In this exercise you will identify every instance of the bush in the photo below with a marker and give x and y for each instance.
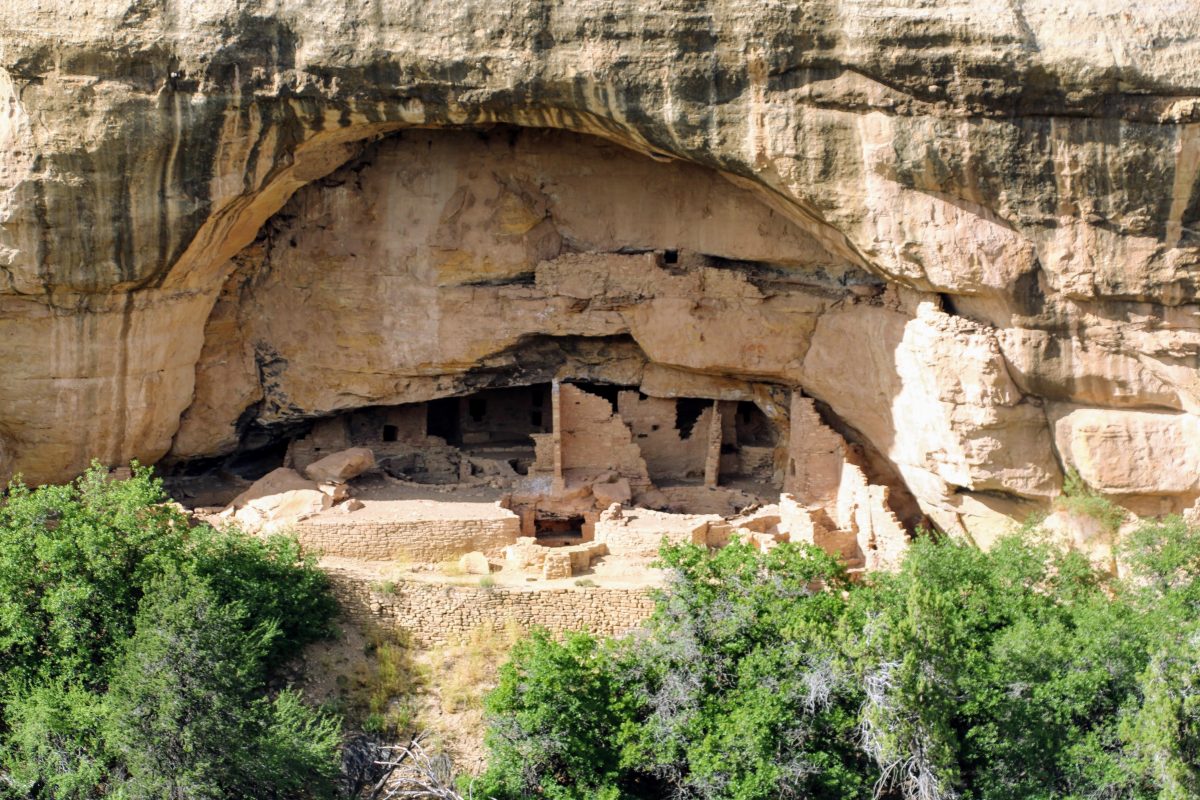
(555, 722)
(1079, 498)
(1013, 674)
(135, 651)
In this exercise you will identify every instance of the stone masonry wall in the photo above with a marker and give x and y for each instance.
(594, 438)
(436, 613)
(667, 454)
(428, 540)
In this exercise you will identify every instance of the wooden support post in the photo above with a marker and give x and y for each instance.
(712, 458)
(556, 434)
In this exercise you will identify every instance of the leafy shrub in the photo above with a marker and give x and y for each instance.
(556, 722)
(1079, 498)
(1013, 674)
(135, 651)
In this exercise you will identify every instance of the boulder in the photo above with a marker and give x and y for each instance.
(336, 491)
(475, 563)
(293, 504)
(275, 511)
(341, 466)
(273, 483)
(617, 491)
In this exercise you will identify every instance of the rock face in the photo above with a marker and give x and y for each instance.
(341, 467)
(972, 234)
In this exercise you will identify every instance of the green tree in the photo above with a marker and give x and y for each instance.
(745, 691)
(556, 716)
(186, 714)
(1022, 673)
(135, 650)
(74, 563)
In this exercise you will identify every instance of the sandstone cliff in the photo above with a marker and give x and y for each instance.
(972, 232)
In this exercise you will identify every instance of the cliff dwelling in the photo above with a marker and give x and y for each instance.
(434, 287)
(982, 281)
(482, 304)
(681, 441)
(554, 352)
(610, 349)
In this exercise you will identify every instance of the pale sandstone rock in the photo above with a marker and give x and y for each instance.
(1084, 534)
(614, 492)
(278, 511)
(341, 467)
(292, 505)
(274, 483)
(337, 491)
(1036, 195)
(474, 563)
(1131, 452)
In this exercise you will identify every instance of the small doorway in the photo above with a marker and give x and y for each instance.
(442, 420)
(555, 531)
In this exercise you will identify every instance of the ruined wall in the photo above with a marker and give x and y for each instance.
(437, 614)
(815, 456)
(504, 415)
(595, 440)
(641, 532)
(668, 455)
(365, 428)
(422, 539)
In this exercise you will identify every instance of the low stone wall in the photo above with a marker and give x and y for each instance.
(437, 613)
(428, 540)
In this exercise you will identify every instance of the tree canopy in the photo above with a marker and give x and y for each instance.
(136, 651)
(1014, 674)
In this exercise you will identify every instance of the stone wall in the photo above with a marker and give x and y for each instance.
(427, 540)
(652, 421)
(594, 438)
(437, 613)
(641, 531)
(815, 456)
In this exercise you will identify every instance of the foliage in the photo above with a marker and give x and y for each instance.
(556, 717)
(1013, 674)
(1079, 498)
(135, 651)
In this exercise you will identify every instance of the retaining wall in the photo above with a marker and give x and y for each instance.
(428, 540)
(438, 613)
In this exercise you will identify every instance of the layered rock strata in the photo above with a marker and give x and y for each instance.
(971, 234)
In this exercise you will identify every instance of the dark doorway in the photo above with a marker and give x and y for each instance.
(554, 531)
(442, 420)
(753, 427)
(687, 414)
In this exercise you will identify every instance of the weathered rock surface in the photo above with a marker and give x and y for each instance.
(275, 482)
(972, 233)
(341, 466)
